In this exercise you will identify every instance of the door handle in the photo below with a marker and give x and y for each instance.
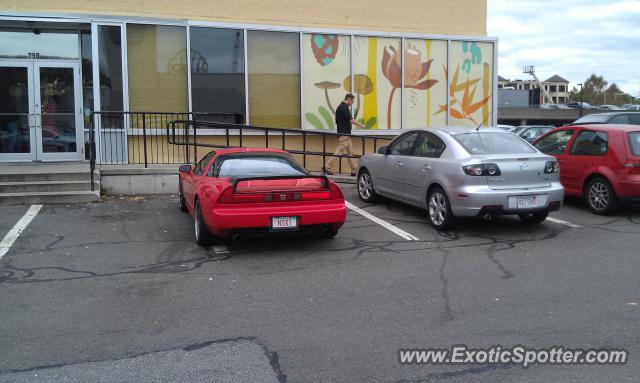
(426, 168)
(399, 163)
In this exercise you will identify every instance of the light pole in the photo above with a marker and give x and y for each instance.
(580, 85)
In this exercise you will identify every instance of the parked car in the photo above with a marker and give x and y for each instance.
(245, 191)
(600, 163)
(505, 127)
(531, 132)
(554, 106)
(516, 130)
(609, 107)
(631, 107)
(576, 105)
(609, 118)
(462, 172)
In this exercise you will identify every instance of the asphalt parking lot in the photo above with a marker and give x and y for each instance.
(119, 291)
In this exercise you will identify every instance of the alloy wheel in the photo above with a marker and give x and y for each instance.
(599, 196)
(365, 186)
(437, 208)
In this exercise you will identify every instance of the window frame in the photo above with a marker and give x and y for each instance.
(401, 138)
(444, 145)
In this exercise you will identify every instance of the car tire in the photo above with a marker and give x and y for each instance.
(600, 197)
(366, 192)
(182, 202)
(533, 217)
(202, 234)
(439, 210)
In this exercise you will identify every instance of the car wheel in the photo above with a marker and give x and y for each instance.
(183, 203)
(203, 236)
(601, 198)
(365, 187)
(440, 214)
(533, 217)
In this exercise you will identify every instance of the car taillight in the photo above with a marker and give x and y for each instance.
(482, 170)
(551, 167)
(632, 167)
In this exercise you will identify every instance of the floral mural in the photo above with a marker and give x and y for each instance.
(471, 83)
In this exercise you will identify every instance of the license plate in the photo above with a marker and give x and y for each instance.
(283, 223)
(526, 202)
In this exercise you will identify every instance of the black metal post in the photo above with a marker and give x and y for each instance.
(304, 149)
(144, 137)
(324, 151)
(92, 150)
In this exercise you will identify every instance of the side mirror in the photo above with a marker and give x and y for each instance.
(184, 169)
(382, 150)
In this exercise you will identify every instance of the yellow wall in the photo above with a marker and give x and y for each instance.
(423, 16)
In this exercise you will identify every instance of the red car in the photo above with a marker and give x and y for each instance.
(247, 190)
(600, 163)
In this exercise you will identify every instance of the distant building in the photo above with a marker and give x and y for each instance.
(556, 86)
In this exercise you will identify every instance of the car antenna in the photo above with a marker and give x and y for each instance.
(481, 123)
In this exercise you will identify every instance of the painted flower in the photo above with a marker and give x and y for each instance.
(325, 48)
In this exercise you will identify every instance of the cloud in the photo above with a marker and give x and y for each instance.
(571, 38)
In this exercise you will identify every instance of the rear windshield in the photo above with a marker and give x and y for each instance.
(493, 143)
(592, 119)
(247, 166)
(634, 143)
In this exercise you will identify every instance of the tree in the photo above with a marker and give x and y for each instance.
(597, 91)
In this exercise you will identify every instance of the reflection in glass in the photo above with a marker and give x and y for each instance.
(14, 110)
(58, 110)
(19, 43)
(273, 63)
(157, 64)
(217, 72)
(110, 54)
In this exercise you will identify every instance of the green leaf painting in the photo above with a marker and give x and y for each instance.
(314, 120)
(326, 115)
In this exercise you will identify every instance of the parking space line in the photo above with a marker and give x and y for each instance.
(567, 223)
(383, 223)
(18, 228)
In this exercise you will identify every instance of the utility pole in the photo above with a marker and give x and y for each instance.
(580, 85)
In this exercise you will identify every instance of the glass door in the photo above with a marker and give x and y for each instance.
(17, 111)
(59, 121)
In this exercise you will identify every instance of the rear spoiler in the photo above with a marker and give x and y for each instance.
(240, 179)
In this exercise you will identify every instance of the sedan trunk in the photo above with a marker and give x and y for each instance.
(518, 172)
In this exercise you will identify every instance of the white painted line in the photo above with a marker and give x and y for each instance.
(18, 228)
(383, 223)
(567, 223)
(220, 249)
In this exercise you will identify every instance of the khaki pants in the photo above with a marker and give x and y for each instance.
(344, 147)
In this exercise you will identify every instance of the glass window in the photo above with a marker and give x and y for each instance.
(620, 119)
(425, 83)
(634, 119)
(258, 166)
(14, 110)
(326, 71)
(157, 60)
(217, 73)
(471, 84)
(403, 145)
(555, 143)
(590, 143)
(202, 164)
(429, 145)
(634, 143)
(592, 119)
(377, 80)
(38, 44)
(478, 143)
(273, 63)
(110, 53)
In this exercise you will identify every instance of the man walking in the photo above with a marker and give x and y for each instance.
(344, 122)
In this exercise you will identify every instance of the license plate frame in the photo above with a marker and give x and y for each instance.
(285, 223)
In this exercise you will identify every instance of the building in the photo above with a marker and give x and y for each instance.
(276, 64)
(556, 86)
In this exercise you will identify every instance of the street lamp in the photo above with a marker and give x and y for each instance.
(580, 85)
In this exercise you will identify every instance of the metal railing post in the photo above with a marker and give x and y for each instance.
(144, 137)
(92, 150)
(324, 151)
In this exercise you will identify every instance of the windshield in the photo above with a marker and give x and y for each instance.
(592, 119)
(634, 143)
(246, 166)
(493, 143)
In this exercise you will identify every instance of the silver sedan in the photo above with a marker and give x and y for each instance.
(463, 172)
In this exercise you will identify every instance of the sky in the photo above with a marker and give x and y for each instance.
(570, 38)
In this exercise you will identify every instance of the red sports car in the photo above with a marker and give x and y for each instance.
(247, 190)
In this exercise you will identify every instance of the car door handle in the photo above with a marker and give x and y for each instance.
(426, 168)
(399, 163)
